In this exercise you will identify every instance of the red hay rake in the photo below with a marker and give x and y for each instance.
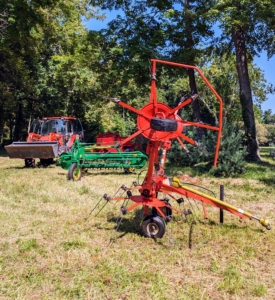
(161, 124)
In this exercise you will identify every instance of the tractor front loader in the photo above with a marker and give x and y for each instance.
(47, 139)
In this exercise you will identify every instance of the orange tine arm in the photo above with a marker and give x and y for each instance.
(186, 123)
(129, 138)
(182, 144)
(186, 102)
(129, 107)
(188, 139)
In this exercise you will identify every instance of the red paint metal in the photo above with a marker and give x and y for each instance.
(161, 140)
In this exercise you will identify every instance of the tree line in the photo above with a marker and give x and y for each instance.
(51, 64)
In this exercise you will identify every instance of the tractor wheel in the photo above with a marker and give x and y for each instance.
(45, 162)
(165, 125)
(74, 172)
(167, 211)
(153, 226)
(29, 162)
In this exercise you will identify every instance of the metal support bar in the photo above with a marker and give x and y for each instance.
(221, 198)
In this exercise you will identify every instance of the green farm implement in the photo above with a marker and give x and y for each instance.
(89, 156)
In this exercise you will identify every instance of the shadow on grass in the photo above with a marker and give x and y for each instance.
(196, 170)
(31, 168)
(268, 181)
(264, 164)
(131, 225)
(267, 149)
(97, 172)
(17, 168)
(228, 227)
(124, 225)
(127, 225)
(259, 169)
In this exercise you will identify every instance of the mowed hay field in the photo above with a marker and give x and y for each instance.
(51, 247)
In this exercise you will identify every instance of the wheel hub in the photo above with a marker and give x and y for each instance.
(153, 228)
(155, 124)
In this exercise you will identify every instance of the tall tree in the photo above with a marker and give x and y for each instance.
(187, 27)
(45, 60)
(170, 30)
(268, 117)
(245, 25)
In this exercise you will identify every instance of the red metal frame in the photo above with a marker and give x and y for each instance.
(156, 181)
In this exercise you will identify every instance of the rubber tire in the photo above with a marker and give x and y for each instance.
(147, 229)
(45, 162)
(29, 162)
(74, 172)
(166, 125)
(166, 210)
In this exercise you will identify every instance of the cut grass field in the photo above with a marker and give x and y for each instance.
(51, 247)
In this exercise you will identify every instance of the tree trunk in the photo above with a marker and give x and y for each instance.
(11, 127)
(1, 124)
(191, 73)
(18, 121)
(193, 88)
(246, 95)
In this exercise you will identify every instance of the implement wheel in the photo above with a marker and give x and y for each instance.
(165, 125)
(153, 227)
(167, 211)
(74, 172)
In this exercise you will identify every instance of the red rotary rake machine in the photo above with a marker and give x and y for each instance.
(161, 124)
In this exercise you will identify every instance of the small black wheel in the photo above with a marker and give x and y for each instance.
(74, 172)
(46, 161)
(166, 125)
(167, 211)
(153, 227)
(29, 162)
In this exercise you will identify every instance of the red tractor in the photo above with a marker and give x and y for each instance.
(47, 139)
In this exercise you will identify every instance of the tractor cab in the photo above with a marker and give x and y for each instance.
(63, 126)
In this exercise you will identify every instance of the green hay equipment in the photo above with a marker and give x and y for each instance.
(89, 156)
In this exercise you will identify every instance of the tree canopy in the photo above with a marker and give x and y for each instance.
(51, 64)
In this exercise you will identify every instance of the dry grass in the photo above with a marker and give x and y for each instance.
(52, 248)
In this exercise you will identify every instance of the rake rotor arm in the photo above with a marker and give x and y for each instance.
(183, 104)
(197, 144)
(182, 145)
(131, 108)
(129, 138)
(201, 125)
(188, 139)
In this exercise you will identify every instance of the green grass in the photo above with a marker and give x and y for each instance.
(51, 247)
